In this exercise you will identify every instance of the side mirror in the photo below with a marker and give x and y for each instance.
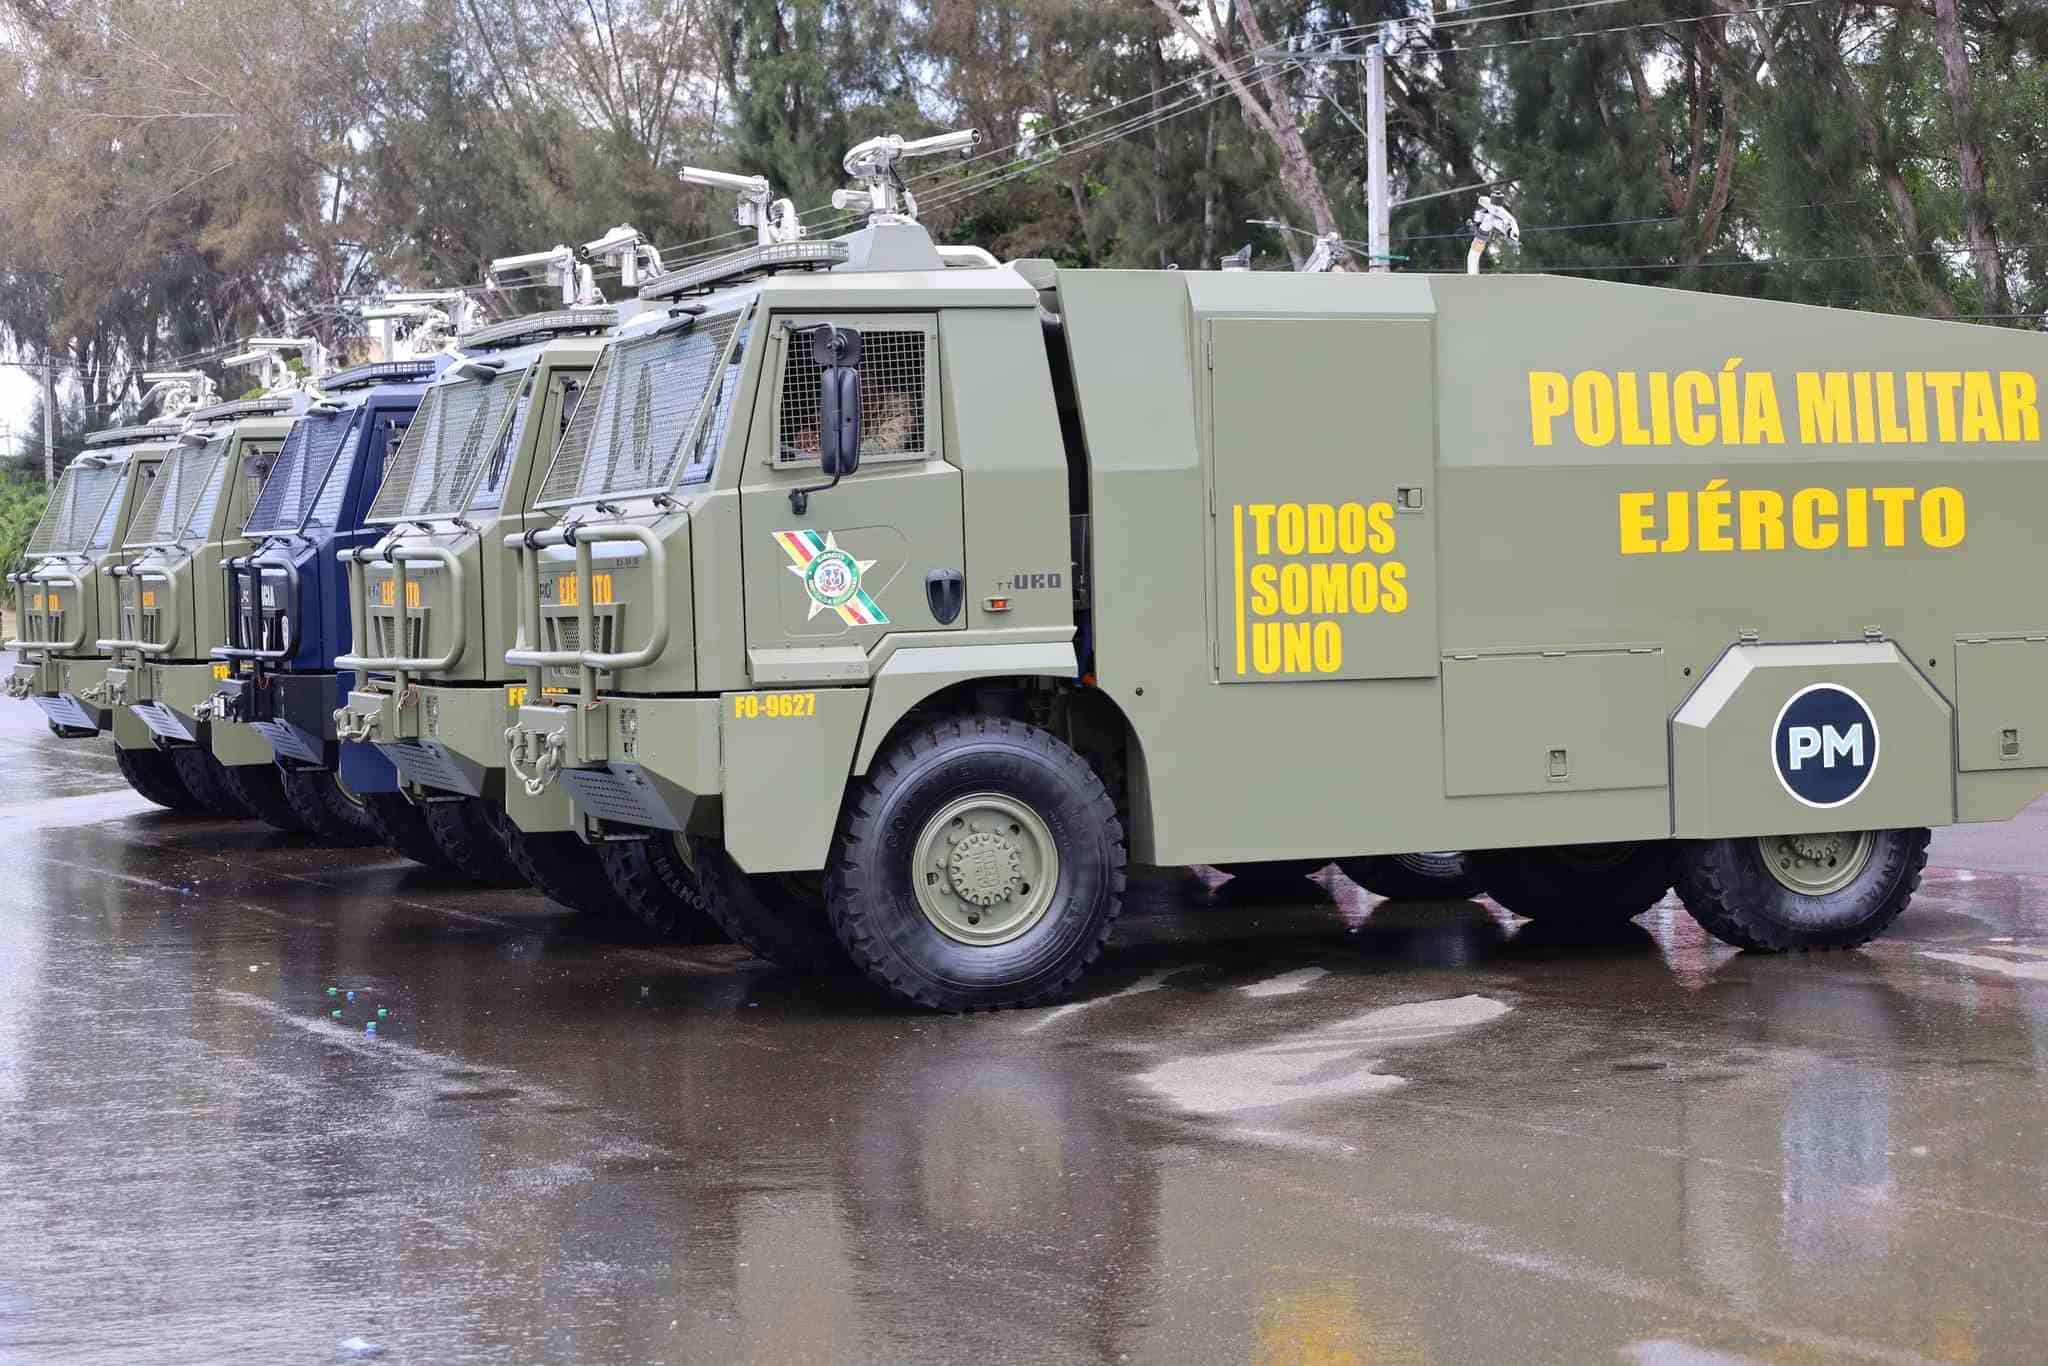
(839, 421)
(836, 353)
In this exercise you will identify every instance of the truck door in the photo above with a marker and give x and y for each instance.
(1323, 455)
(851, 567)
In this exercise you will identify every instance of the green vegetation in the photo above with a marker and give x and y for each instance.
(186, 172)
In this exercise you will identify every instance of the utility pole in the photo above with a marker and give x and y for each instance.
(49, 419)
(1379, 242)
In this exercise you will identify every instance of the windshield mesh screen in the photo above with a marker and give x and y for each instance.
(199, 522)
(74, 510)
(445, 450)
(179, 485)
(300, 472)
(637, 426)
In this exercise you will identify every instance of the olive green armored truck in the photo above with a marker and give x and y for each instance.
(432, 610)
(170, 609)
(66, 592)
(954, 589)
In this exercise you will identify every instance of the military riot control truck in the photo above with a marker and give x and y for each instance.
(428, 605)
(288, 614)
(991, 580)
(170, 610)
(63, 595)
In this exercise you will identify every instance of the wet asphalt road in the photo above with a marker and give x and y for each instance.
(1322, 1131)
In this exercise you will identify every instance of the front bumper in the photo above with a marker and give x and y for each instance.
(70, 692)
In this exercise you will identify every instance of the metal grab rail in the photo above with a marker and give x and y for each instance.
(359, 609)
(168, 611)
(232, 570)
(527, 545)
(62, 647)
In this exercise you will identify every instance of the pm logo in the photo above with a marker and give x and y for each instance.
(1824, 745)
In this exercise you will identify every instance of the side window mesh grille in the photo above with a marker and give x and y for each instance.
(895, 412)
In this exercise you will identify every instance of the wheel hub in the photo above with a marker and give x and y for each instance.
(1816, 864)
(985, 869)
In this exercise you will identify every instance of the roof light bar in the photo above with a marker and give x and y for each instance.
(243, 407)
(115, 436)
(759, 260)
(513, 331)
(379, 372)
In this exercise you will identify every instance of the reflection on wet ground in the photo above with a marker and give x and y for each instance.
(1324, 1129)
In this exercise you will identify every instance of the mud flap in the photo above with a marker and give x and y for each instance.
(1797, 739)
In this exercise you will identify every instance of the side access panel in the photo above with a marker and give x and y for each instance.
(2001, 703)
(1323, 454)
(1554, 721)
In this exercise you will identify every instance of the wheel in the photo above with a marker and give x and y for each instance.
(326, 808)
(558, 865)
(403, 826)
(776, 916)
(259, 788)
(1778, 892)
(654, 881)
(1278, 877)
(1585, 884)
(979, 864)
(468, 838)
(153, 773)
(1415, 877)
(206, 780)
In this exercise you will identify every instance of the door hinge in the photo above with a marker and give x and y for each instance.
(1209, 354)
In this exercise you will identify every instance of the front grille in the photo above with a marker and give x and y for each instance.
(385, 634)
(565, 629)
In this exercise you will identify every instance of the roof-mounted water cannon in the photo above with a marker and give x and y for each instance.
(627, 248)
(1492, 224)
(574, 278)
(1331, 253)
(181, 391)
(269, 352)
(436, 315)
(773, 220)
(883, 196)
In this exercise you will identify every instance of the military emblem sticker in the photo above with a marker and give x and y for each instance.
(1824, 745)
(831, 577)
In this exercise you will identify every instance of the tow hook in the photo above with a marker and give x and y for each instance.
(218, 707)
(354, 726)
(18, 688)
(95, 696)
(544, 752)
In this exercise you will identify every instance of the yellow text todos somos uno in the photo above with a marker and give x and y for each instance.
(1304, 570)
(1737, 407)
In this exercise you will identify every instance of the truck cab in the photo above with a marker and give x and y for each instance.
(430, 601)
(171, 606)
(67, 592)
(288, 617)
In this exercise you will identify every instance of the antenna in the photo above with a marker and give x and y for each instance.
(627, 248)
(576, 281)
(773, 220)
(883, 196)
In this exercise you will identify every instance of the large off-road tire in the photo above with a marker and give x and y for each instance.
(206, 780)
(468, 838)
(154, 774)
(1578, 884)
(403, 826)
(1781, 892)
(980, 864)
(259, 789)
(328, 810)
(558, 865)
(1277, 877)
(776, 916)
(656, 885)
(1415, 877)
